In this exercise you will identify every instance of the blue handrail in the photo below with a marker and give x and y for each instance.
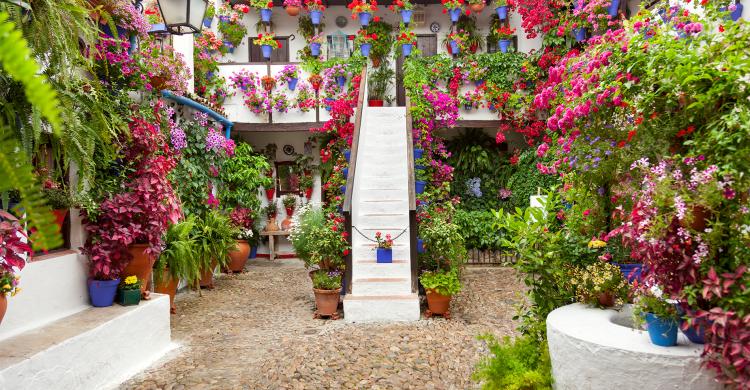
(193, 104)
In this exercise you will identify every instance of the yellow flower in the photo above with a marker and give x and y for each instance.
(131, 280)
(596, 244)
(6, 287)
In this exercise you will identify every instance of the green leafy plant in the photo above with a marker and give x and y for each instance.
(214, 236)
(381, 47)
(319, 240)
(649, 302)
(478, 229)
(379, 84)
(179, 258)
(289, 201)
(441, 281)
(241, 175)
(326, 280)
(519, 364)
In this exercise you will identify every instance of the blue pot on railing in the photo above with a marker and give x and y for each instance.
(454, 47)
(102, 292)
(343, 189)
(266, 49)
(662, 331)
(631, 271)
(365, 49)
(315, 49)
(406, 49)
(467, 106)
(315, 17)
(364, 18)
(420, 245)
(347, 154)
(229, 46)
(253, 252)
(384, 255)
(406, 15)
(292, 83)
(455, 14)
(579, 33)
(345, 171)
(503, 45)
(207, 22)
(265, 15)
(418, 153)
(614, 8)
(419, 167)
(502, 12)
(419, 186)
(341, 81)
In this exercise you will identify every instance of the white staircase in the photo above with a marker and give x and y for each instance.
(380, 202)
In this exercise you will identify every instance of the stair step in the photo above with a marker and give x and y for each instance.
(381, 308)
(381, 286)
(372, 270)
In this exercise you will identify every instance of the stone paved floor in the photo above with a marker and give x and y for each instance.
(256, 331)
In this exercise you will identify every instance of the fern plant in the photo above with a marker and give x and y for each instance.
(178, 259)
(214, 236)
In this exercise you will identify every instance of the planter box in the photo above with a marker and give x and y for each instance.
(129, 297)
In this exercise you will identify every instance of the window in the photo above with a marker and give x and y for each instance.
(278, 55)
(339, 45)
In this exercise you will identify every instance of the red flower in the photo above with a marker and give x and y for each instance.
(721, 28)
(346, 252)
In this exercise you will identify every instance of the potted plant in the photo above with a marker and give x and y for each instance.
(271, 211)
(384, 249)
(407, 40)
(292, 7)
(381, 46)
(290, 75)
(166, 67)
(306, 184)
(209, 16)
(242, 220)
(315, 81)
(316, 8)
(363, 10)
(364, 41)
(290, 201)
(421, 180)
(476, 5)
(58, 200)
(660, 316)
(456, 42)
(13, 260)
(502, 9)
(445, 251)
(178, 260)
(129, 291)
(315, 42)
(403, 7)
(265, 7)
(600, 284)
(267, 43)
(268, 82)
(504, 36)
(378, 85)
(215, 238)
(231, 28)
(453, 8)
(327, 290)
(440, 286)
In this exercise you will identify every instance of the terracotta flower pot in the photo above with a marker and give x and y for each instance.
(292, 10)
(700, 218)
(60, 217)
(207, 276)
(606, 299)
(168, 286)
(438, 303)
(476, 7)
(3, 306)
(272, 226)
(308, 193)
(141, 265)
(239, 257)
(376, 61)
(326, 302)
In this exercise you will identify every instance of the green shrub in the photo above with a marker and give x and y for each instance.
(520, 364)
(442, 282)
(478, 229)
(527, 180)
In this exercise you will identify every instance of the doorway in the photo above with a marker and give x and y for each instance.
(427, 45)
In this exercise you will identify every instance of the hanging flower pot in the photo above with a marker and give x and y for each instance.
(292, 10)
(102, 292)
(207, 22)
(292, 83)
(341, 81)
(420, 245)
(267, 50)
(343, 189)
(384, 256)
(479, 83)
(406, 16)
(419, 186)
(141, 265)
(364, 18)
(315, 80)
(345, 172)
(503, 45)
(238, 257)
(492, 107)
(365, 49)
(502, 12)
(229, 46)
(265, 15)
(477, 7)
(418, 153)
(315, 49)
(455, 14)
(406, 49)
(328, 103)
(269, 193)
(580, 34)
(347, 154)
(268, 83)
(662, 331)
(467, 106)
(454, 47)
(315, 17)
(614, 8)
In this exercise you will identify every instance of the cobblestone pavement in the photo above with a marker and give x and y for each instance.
(256, 331)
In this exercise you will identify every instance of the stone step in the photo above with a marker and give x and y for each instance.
(364, 269)
(383, 308)
(370, 219)
(379, 207)
(381, 286)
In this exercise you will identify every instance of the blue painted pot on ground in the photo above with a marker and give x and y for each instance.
(102, 292)
(630, 271)
(420, 245)
(419, 186)
(229, 46)
(662, 332)
(365, 49)
(343, 189)
(418, 153)
(315, 49)
(207, 22)
(384, 255)
(406, 49)
(455, 14)
(503, 45)
(292, 83)
(614, 7)
(266, 49)
(345, 171)
(502, 12)
(579, 33)
(364, 18)
(253, 252)
(406, 16)
(454, 48)
(265, 15)
(315, 17)
(347, 154)
(341, 81)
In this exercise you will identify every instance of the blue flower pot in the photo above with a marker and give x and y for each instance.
(265, 15)
(292, 84)
(455, 14)
(580, 34)
(341, 81)
(479, 83)
(102, 292)
(419, 186)
(418, 153)
(697, 336)
(209, 75)
(347, 154)
(343, 189)
(345, 171)
(315, 17)
(503, 45)
(502, 12)
(492, 108)
(662, 332)
(365, 49)
(631, 271)
(224, 19)
(737, 13)
(364, 18)
(253, 252)
(419, 167)
(614, 8)
(384, 255)
(420, 245)
(229, 46)
(207, 22)
(454, 47)
(406, 49)
(315, 49)
(406, 16)
(266, 49)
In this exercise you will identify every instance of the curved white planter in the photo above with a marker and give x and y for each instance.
(597, 349)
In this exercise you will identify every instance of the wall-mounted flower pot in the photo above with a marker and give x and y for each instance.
(418, 153)
(662, 331)
(341, 81)
(419, 167)
(406, 16)
(102, 292)
(315, 49)
(207, 22)
(266, 50)
(454, 47)
(406, 49)
(343, 189)
(269, 193)
(384, 255)
(492, 107)
(375, 103)
(579, 33)
(292, 83)
(467, 106)
(315, 17)
(477, 8)
(238, 257)
(502, 12)
(420, 245)
(265, 15)
(614, 8)
(419, 186)
(455, 14)
(128, 297)
(347, 154)
(345, 171)
(229, 46)
(141, 265)
(364, 18)
(503, 45)
(328, 103)
(292, 10)
(365, 49)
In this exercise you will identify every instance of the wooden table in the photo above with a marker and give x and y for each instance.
(272, 241)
